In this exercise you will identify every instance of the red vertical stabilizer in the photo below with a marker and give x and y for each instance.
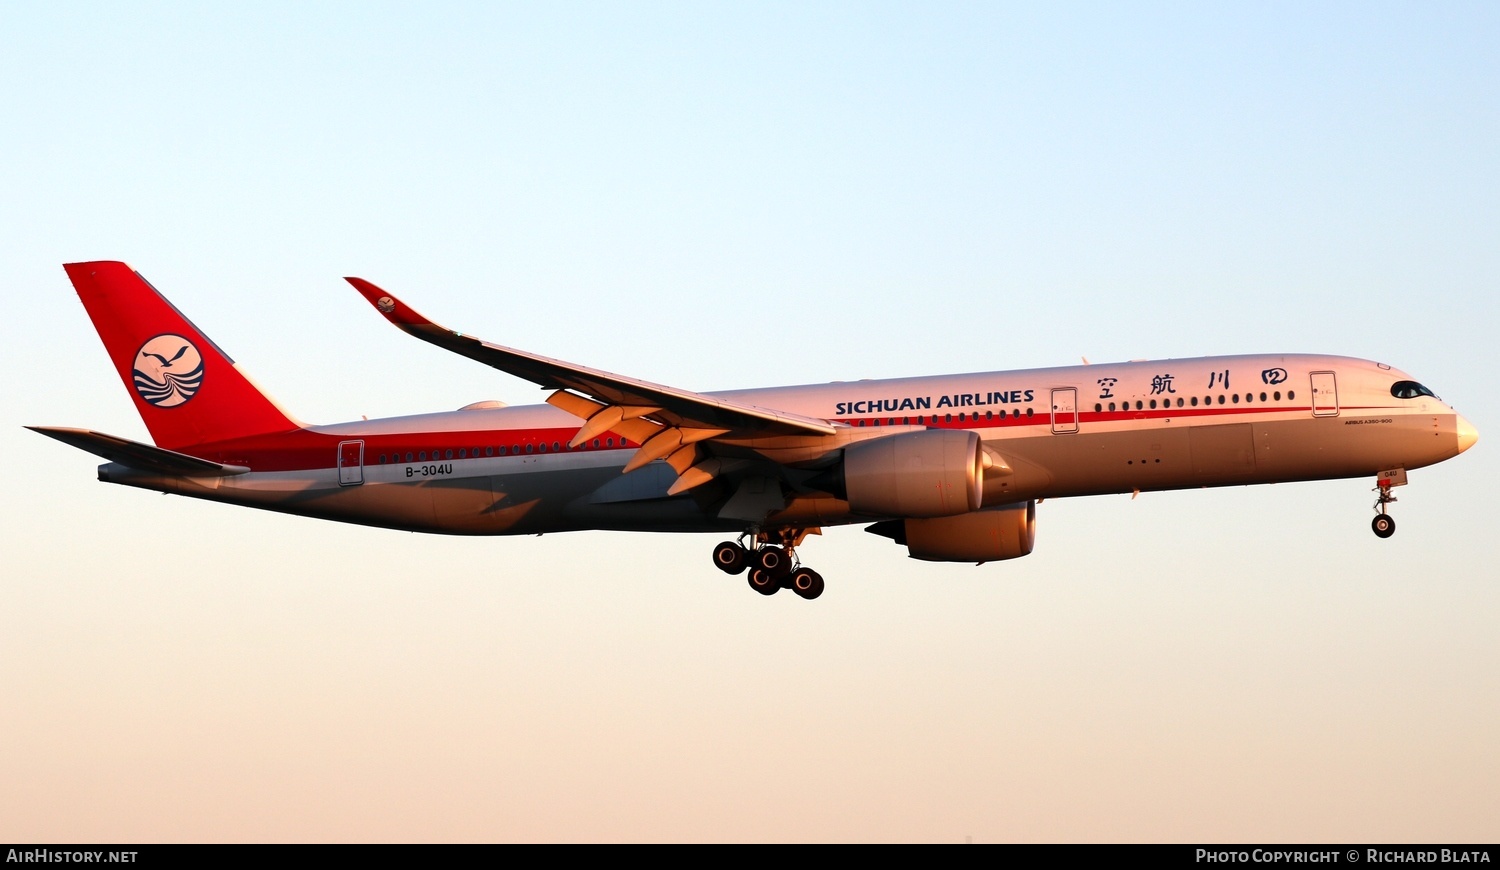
(187, 390)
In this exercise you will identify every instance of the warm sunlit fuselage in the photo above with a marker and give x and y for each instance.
(1139, 426)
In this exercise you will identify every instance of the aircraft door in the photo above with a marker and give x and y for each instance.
(1064, 410)
(351, 463)
(1325, 395)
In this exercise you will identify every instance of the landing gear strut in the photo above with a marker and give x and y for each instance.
(1384, 524)
(772, 560)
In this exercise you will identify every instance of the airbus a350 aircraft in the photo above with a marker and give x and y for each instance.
(950, 467)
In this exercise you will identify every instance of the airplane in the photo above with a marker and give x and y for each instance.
(951, 467)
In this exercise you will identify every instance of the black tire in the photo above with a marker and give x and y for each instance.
(774, 561)
(807, 583)
(1384, 525)
(731, 558)
(763, 582)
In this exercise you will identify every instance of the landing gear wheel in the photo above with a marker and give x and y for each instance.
(774, 561)
(807, 583)
(762, 581)
(731, 558)
(1384, 525)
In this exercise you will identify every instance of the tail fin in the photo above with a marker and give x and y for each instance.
(187, 390)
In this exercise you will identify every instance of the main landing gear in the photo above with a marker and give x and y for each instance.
(773, 566)
(1384, 524)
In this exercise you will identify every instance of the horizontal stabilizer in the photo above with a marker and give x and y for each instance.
(133, 454)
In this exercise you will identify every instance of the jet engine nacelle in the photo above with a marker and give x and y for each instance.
(936, 473)
(991, 535)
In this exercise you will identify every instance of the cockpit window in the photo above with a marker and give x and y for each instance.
(1410, 390)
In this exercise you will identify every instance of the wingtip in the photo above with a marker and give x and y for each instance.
(389, 306)
(365, 288)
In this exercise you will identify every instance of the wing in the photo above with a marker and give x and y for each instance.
(666, 421)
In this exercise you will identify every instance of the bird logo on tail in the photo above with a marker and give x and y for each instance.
(168, 370)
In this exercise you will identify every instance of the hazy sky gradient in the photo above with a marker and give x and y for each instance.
(718, 196)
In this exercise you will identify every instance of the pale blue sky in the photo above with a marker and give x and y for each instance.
(719, 196)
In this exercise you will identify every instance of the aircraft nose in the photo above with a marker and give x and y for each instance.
(1467, 434)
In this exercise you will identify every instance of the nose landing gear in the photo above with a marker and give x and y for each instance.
(772, 565)
(1384, 524)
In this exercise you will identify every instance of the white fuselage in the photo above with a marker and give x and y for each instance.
(1054, 432)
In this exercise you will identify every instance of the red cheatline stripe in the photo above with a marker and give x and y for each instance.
(308, 450)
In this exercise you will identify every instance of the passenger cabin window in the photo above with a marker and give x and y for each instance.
(1410, 390)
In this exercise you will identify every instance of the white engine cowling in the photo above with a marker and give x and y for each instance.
(937, 473)
(991, 535)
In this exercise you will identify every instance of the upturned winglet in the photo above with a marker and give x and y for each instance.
(393, 309)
